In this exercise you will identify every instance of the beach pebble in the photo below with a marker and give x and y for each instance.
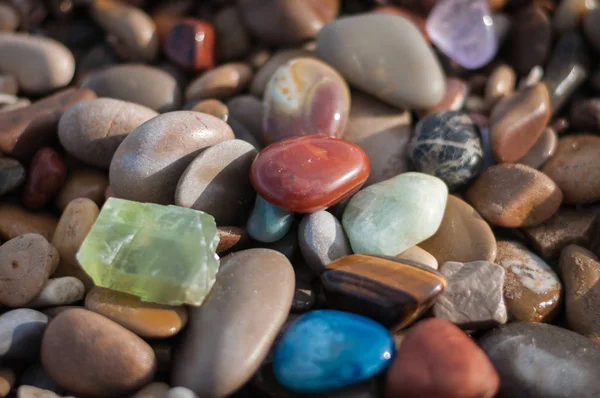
(7, 381)
(190, 44)
(16, 221)
(59, 291)
(419, 256)
(84, 183)
(221, 83)
(21, 333)
(12, 175)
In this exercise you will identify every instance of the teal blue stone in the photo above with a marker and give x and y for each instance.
(268, 223)
(326, 350)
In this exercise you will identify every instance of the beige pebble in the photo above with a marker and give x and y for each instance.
(420, 256)
(221, 82)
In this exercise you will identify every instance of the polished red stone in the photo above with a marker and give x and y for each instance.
(47, 175)
(190, 44)
(309, 173)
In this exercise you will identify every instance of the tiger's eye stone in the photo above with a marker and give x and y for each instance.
(190, 44)
(309, 173)
(305, 96)
(392, 291)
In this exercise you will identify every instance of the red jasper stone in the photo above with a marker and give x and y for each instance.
(47, 175)
(309, 173)
(190, 44)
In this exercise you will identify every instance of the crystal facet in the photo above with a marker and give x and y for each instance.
(163, 254)
(464, 31)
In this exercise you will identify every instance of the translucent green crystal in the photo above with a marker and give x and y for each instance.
(163, 254)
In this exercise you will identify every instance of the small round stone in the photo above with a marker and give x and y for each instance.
(59, 291)
(447, 145)
(190, 44)
(213, 107)
(221, 82)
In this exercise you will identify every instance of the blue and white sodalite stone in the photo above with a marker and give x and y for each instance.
(326, 350)
(447, 145)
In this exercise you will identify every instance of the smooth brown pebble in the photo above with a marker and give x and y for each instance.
(213, 107)
(426, 365)
(514, 195)
(230, 237)
(7, 381)
(544, 149)
(580, 271)
(147, 320)
(58, 292)
(501, 83)
(153, 390)
(16, 221)
(8, 84)
(89, 184)
(75, 223)
(91, 355)
(463, 235)
(25, 265)
(575, 168)
(221, 82)
(420, 256)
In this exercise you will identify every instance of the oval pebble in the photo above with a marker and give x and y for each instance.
(59, 291)
(7, 381)
(213, 107)
(21, 333)
(153, 390)
(419, 256)
(92, 130)
(16, 221)
(146, 167)
(268, 223)
(12, 175)
(84, 183)
(47, 174)
(544, 149)
(190, 44)
(221, 82)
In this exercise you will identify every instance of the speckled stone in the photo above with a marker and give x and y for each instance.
(447, 145)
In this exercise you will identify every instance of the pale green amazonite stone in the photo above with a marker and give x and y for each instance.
(396, 214)
(163, 254)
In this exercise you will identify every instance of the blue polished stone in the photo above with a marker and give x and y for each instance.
(268, 223)
(325, 350)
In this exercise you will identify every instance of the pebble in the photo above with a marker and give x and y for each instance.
(234, 38)
(474, 296)
(248, 110)
(532, 290)
(47, 174)
(585, 115)
(230, 238)
(322, 240)
(309, 173)
(248, 282)
(268, 223)
(146, 167)
(92, 130)
(454, 98)
(59, 291)
(153, 390)
(38, 120)
(26, 262)
(426, 365)
(447, 145)
(213, 107)
(540, 360)
(514, 195)
(501, 83)
(12, 175)
(420, 256)
(16, 221)
(78, 352)
(518, 122)
(383, 132)
(40, 64)
(141, 84)
(9, 18)
(180, 392)
(574, 168)
(286, 22)
(8, 84)
(21, 333)
(345, 44)
(591, 27)
(391, 291)
(566, 227)
(392, 216)
(542, 150)
(264, 73)
(84, 183)
(72, 229)
(568, 68)
(580, 271)
(569, 14)
(26, 391)
(190, 44)
(326, 349)
(531, 38)
(217, 183)
(463, 235)
(7, 381)
(464, 31)
(221, 83)
(418, 20)
(147, 320)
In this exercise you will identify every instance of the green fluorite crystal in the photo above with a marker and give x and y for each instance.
(163, 254)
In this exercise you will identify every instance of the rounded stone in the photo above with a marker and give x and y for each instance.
(85, 183)
(531, 38)
(180, 392)
(217, 183)
(16, 221)
(309, 173)
(190, 44)
(40, 64)
(59, 291)
(47, 174)
(540, 360)
(7, 380)
(575, 168)
(286, 22)
(21, 333)
(248, 282)
(305, 96)
(426, 364)
(221, 82)
(447, 145)
(500, 83)
(12, 175)
(147, 320)
(544, 149)
(463, 236)
(454, 99)
(213, 107)
(92, 130)
(514, 195)
(264, 73)
(91, 355)
(141, 84)
(150, 161)
(248, 110)
(346, 44)
(9, 19)
(419, 256)
(322, 240)
(570, 13)
(25, 265)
